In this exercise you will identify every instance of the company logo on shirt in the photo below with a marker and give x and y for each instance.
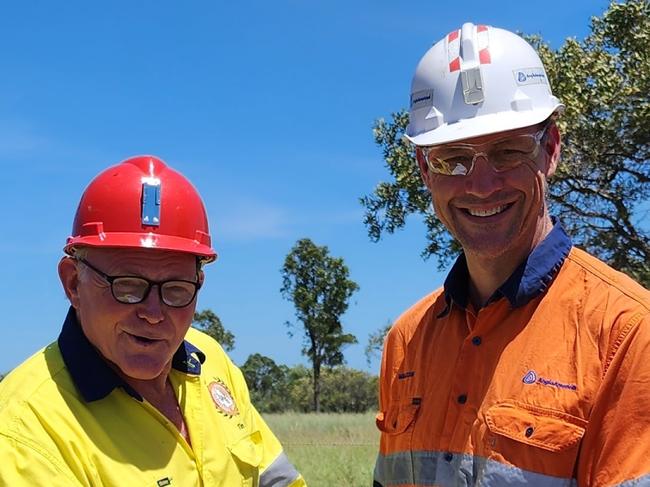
(164, 482)
(223, 398)
(531, 377)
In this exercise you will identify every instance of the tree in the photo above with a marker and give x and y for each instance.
(603, 180)
(320, 289)
(375, 344)
(344, 390)
(349, 390)
(268, 383)
(209, 323)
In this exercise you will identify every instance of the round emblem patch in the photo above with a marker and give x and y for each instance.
(223, 398)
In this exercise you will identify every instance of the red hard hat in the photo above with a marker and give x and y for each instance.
(142, 203)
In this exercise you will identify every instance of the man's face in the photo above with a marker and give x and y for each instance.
(139, 339)
(494, 213)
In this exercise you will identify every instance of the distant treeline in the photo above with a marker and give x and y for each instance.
(278, 388)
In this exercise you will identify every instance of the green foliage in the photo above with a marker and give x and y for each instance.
(343, 390)
(392, 202)
(319, 287)
(603, 180)
(278, 388)
(208, 322)
(268, 383)
(375, 344)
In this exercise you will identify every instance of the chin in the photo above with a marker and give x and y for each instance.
(487, 250)
(142, 368)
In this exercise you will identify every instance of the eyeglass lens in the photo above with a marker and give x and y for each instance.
(503, 155)
(131, 290)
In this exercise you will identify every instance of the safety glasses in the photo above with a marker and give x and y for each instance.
(175, 293)
(457, 159)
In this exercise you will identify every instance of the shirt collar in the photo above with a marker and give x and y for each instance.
(530, 279)
(93, 376)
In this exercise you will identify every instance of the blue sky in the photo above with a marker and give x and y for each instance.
(266, 106)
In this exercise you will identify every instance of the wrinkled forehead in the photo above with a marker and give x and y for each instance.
(145, 262)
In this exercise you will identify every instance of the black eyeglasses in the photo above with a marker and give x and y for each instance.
(175, 293)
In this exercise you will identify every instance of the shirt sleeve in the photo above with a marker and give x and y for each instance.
(26, 466)
(275, 469)
(616, 447)
(393, 354)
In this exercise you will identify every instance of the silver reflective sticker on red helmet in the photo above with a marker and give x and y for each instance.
(151, 204)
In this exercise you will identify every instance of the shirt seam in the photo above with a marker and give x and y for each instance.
(47, 456)
(629, 326)
(637, 298)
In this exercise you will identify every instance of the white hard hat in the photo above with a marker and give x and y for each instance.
(478, 80)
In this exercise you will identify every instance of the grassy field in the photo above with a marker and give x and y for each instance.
(330, 450)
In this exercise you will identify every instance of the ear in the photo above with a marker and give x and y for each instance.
(201, 277)
(422, 164)
(69, 275)
(552, 146)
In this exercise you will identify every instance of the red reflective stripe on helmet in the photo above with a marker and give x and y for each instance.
(452, 36)
(454, 65)
(484, 56)
(481, 28)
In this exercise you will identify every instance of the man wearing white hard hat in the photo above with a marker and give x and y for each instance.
(530, 365)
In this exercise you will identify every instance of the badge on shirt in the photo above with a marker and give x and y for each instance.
(223, 398)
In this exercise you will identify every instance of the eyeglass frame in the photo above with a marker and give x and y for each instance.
(150, 283)
(537, 137)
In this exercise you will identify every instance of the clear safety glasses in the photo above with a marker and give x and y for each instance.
(457, 159)
(175, 293)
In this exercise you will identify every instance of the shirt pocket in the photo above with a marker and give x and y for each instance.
(397, 424)
(247, 453)
(398, 418)
(534, 438)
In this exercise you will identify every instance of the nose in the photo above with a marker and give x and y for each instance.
(150, 309)
(483, 181)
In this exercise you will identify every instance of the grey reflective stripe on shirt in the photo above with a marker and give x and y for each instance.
(643, 481)
(445, 470)
(279, 474)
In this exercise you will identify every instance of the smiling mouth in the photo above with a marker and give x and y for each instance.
(486, 213)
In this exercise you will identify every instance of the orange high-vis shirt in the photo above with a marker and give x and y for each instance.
(547, 385)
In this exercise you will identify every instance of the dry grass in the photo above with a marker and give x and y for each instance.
(330, 450)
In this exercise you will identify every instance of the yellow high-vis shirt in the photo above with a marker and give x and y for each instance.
(66, 419)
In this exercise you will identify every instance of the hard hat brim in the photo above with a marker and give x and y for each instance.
(151, 241)
(482, 125)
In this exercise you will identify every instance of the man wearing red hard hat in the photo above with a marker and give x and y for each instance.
(130, 394)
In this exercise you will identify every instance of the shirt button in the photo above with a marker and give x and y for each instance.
(448, 457)
(476, 341)
(462, 399)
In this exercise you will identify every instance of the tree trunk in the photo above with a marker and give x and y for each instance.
(317, 387)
